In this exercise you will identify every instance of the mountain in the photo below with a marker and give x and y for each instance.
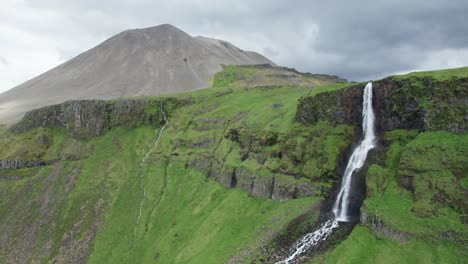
(149, 61)
(236, 174)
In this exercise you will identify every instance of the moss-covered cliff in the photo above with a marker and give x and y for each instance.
(85, 119)
(415, 209)
(237, 174)
(412, 102)
(87, 190)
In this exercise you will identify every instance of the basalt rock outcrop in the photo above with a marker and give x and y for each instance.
(378, 227)
(275, 186)
(84, 119)
(340, 107)
(20, 164)
(400, 103)
(282, 166)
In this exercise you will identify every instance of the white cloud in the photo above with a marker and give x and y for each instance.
(445, 58)
(34, 40)
(3, 61)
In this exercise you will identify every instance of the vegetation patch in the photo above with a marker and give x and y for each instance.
(361, 246)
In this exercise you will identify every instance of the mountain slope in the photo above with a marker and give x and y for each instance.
(150, 61)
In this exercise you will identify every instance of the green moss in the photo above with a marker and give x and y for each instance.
(18, 174)
(402, 135)
(439, 96)
(363, 247)
(268, 76)
(327, 88)
(67, 199)
(232, 73)
(152, 107)
(193, 215)
(322, 149)
(34, 144)
(434, 164)
(376, 183)
(189, 218)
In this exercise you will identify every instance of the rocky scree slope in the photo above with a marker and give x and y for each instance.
(149, 61)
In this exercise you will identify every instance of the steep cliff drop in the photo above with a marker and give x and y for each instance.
(340, 209)
(341, 206)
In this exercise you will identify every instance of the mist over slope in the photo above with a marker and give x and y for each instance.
(149, 61)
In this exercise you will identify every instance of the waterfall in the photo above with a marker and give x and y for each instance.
(140, 166)
(310, 240)
(340, 208)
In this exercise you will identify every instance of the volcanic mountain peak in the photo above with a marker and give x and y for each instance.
(161, 33)
(149, 61)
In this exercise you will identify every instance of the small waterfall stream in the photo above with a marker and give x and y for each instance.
(140, 166)
(341, 206)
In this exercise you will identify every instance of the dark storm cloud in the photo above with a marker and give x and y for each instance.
(382, 37)
(358, 40)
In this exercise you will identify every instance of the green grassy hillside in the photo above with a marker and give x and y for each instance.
(85, 204)
(416, 192)
(364, 247)
(446, 74)
(267, 75)
(232, 171)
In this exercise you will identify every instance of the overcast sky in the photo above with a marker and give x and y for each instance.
(357, 40)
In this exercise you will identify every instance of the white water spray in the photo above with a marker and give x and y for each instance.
(340, 208)
(140, 167)
(310, 240)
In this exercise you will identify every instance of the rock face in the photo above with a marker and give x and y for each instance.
(411, 103)
(88, 118)
(397, 107)
(278, 172)
(277, 187)
(378, 227)
(150, 61)
(339, 107)
(20, 164)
